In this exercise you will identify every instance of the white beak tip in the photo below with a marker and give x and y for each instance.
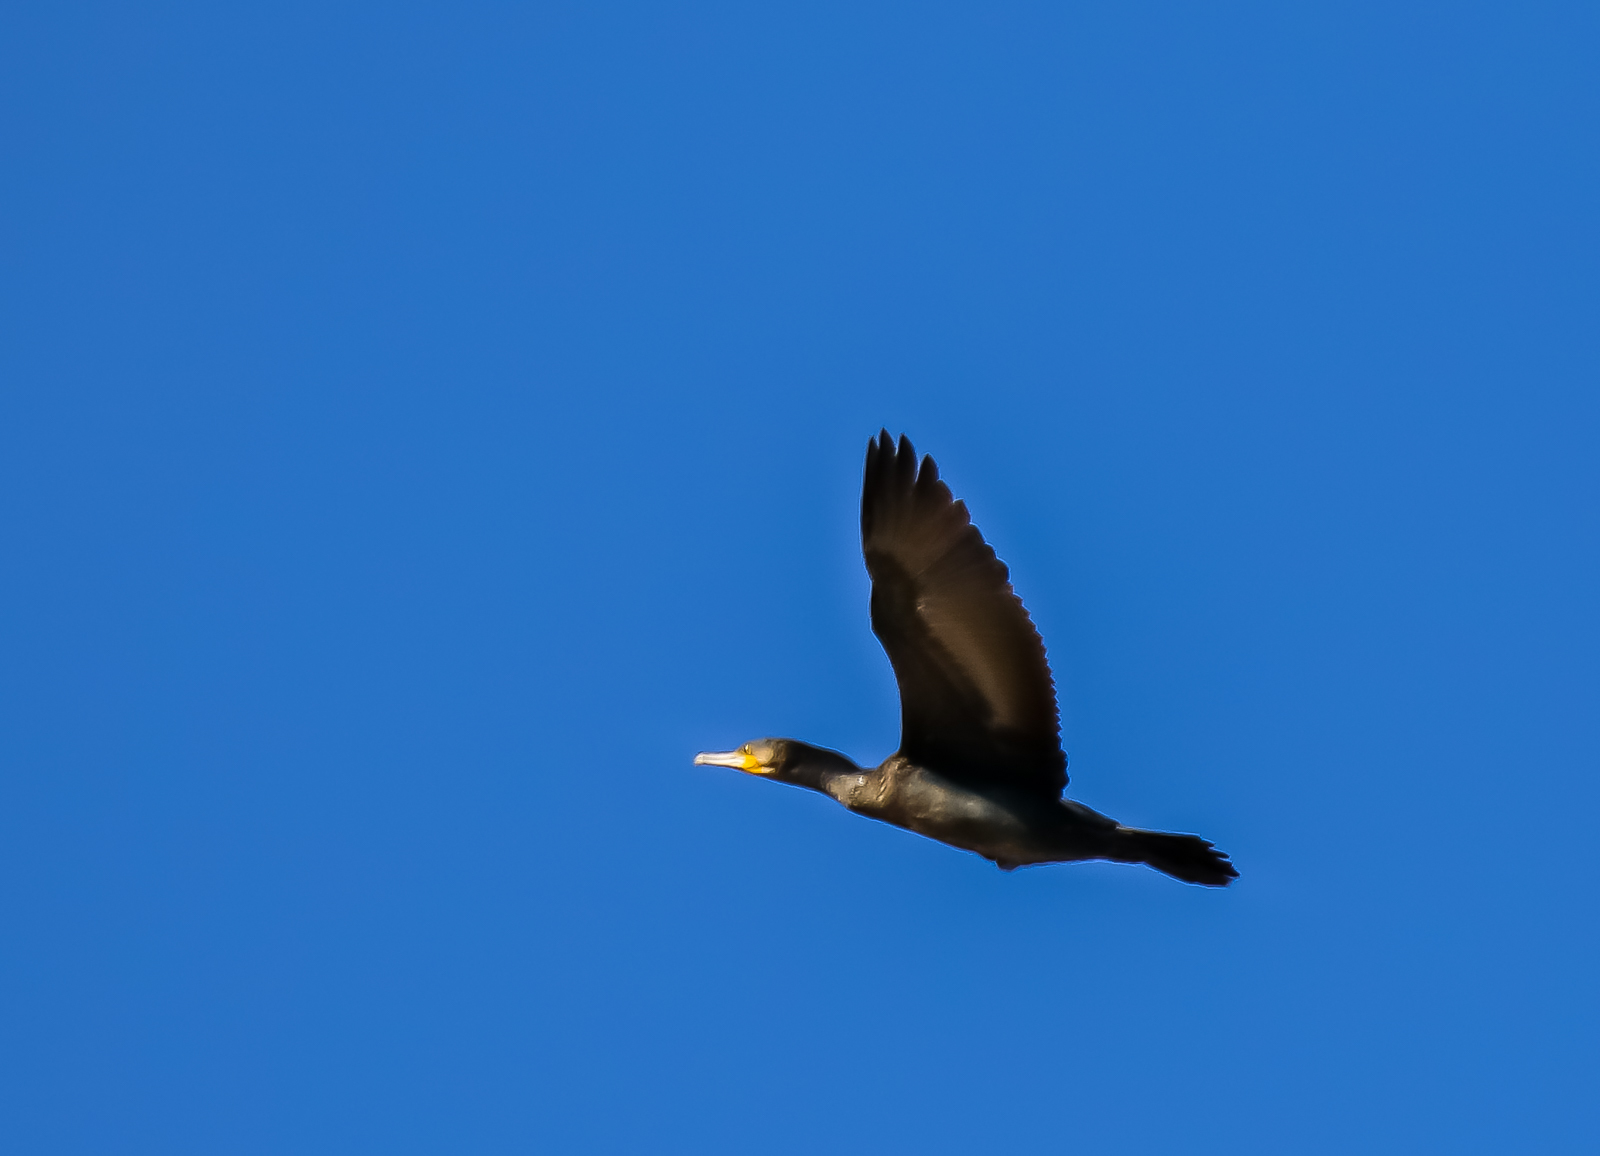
(733, 759)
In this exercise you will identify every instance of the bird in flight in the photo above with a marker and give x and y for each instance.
(980, 765)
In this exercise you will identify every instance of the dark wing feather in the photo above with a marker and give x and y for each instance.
(976, 699)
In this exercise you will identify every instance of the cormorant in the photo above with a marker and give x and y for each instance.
(980, 765)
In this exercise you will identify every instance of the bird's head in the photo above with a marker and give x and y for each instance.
(758, 757)
(786, 760)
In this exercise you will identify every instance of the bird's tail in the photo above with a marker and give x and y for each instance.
(1186, 857)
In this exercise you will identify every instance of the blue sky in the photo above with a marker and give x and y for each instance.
(423, 428)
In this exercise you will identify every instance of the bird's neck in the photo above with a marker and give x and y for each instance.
(819, 769)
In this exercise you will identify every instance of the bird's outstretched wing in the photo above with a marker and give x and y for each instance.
(976, 699)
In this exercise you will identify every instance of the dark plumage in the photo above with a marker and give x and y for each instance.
(980, 764)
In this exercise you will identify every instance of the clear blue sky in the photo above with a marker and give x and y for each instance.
(424, 427)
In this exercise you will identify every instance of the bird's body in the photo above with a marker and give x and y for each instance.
(980, 765)
(1012, 828)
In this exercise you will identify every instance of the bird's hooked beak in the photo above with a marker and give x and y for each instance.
(742, 759)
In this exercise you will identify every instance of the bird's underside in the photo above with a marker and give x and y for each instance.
(1015, 828)
(980, 765)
